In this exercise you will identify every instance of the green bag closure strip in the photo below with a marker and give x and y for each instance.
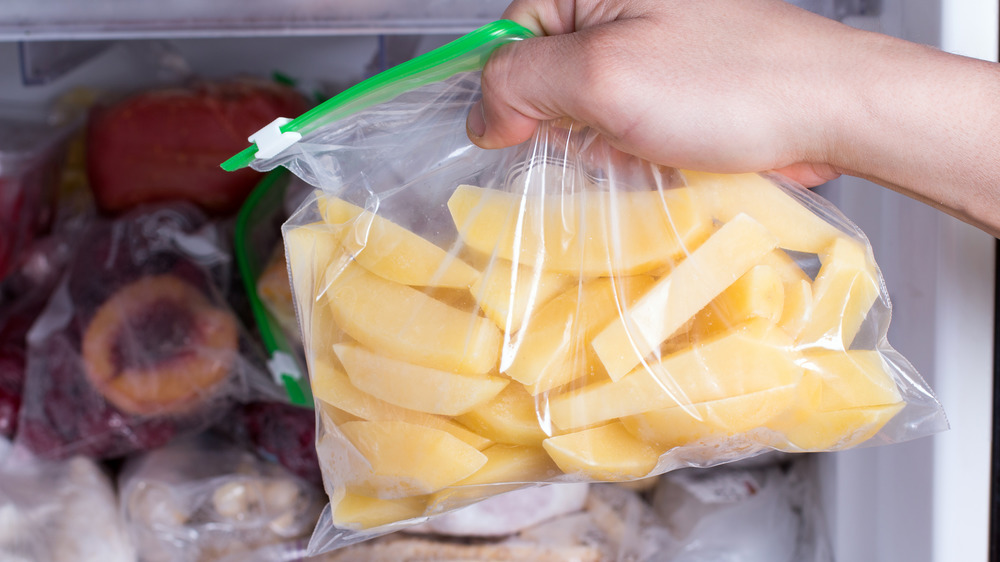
(464, 54)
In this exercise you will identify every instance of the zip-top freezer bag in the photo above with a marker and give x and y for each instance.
(476, 321)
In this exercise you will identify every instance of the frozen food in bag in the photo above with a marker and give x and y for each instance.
(476, 321)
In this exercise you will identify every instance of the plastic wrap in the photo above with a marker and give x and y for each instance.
(136, 344)
(162, 144)
(477, 320)
(59, 512)
(29, 151)
(23, 296)
(203, 499)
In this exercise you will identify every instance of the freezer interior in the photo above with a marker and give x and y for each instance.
(922, 500)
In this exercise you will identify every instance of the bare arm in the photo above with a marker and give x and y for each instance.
(754, 85)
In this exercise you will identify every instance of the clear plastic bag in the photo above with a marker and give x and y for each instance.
(478, 320)
(137, 344)
(204, 499)
(63, 511)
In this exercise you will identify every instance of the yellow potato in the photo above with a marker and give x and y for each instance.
(391, 251)
(507, 468)
(423, 389)
(757, 356)
(677, 297)
(406, 324)
(332, 387)
(552, 350)
(759, 293)
(507, 293)
(358, 512)
(795, 225)
(844, 290)
(845, 398)
(586, 233)
(511, 417)
(608, 453)
(403, 459)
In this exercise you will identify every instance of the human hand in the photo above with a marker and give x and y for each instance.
(728, 86)
(749, 86)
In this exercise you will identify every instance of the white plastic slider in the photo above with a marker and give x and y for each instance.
(282, 363)
(271, 141)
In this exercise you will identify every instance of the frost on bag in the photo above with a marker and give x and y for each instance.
(136, 345)
(479, 320)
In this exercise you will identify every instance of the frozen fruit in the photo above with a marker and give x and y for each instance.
(166, 144)
(284, 433)
(158, 345)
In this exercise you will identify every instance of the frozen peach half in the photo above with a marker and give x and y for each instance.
(158, 345)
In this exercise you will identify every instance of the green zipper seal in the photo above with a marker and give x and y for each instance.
(262, 198)
(430, 67)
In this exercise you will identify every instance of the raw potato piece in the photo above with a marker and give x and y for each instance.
(608, 453)
(312, 251)
(843, 293)
(796, 226)
(755, 357)
(590, 233)
(845, 398)
(508, 467)
(715, 265)
(406, 459)
(506, 294)
(406, 324)
(759, 293)
(393, 252)
(511, 417)
(552, 350)
(332, 387)
(359, 512)
(423, 389)
(678, 426)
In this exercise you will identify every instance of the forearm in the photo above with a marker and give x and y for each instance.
(925, 123)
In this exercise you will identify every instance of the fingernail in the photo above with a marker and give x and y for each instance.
(476, 122)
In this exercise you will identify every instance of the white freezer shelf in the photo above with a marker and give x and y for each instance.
(105, 19)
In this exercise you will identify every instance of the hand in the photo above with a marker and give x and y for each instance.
(752, 85)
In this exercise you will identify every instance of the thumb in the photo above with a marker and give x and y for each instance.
(523, 83)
